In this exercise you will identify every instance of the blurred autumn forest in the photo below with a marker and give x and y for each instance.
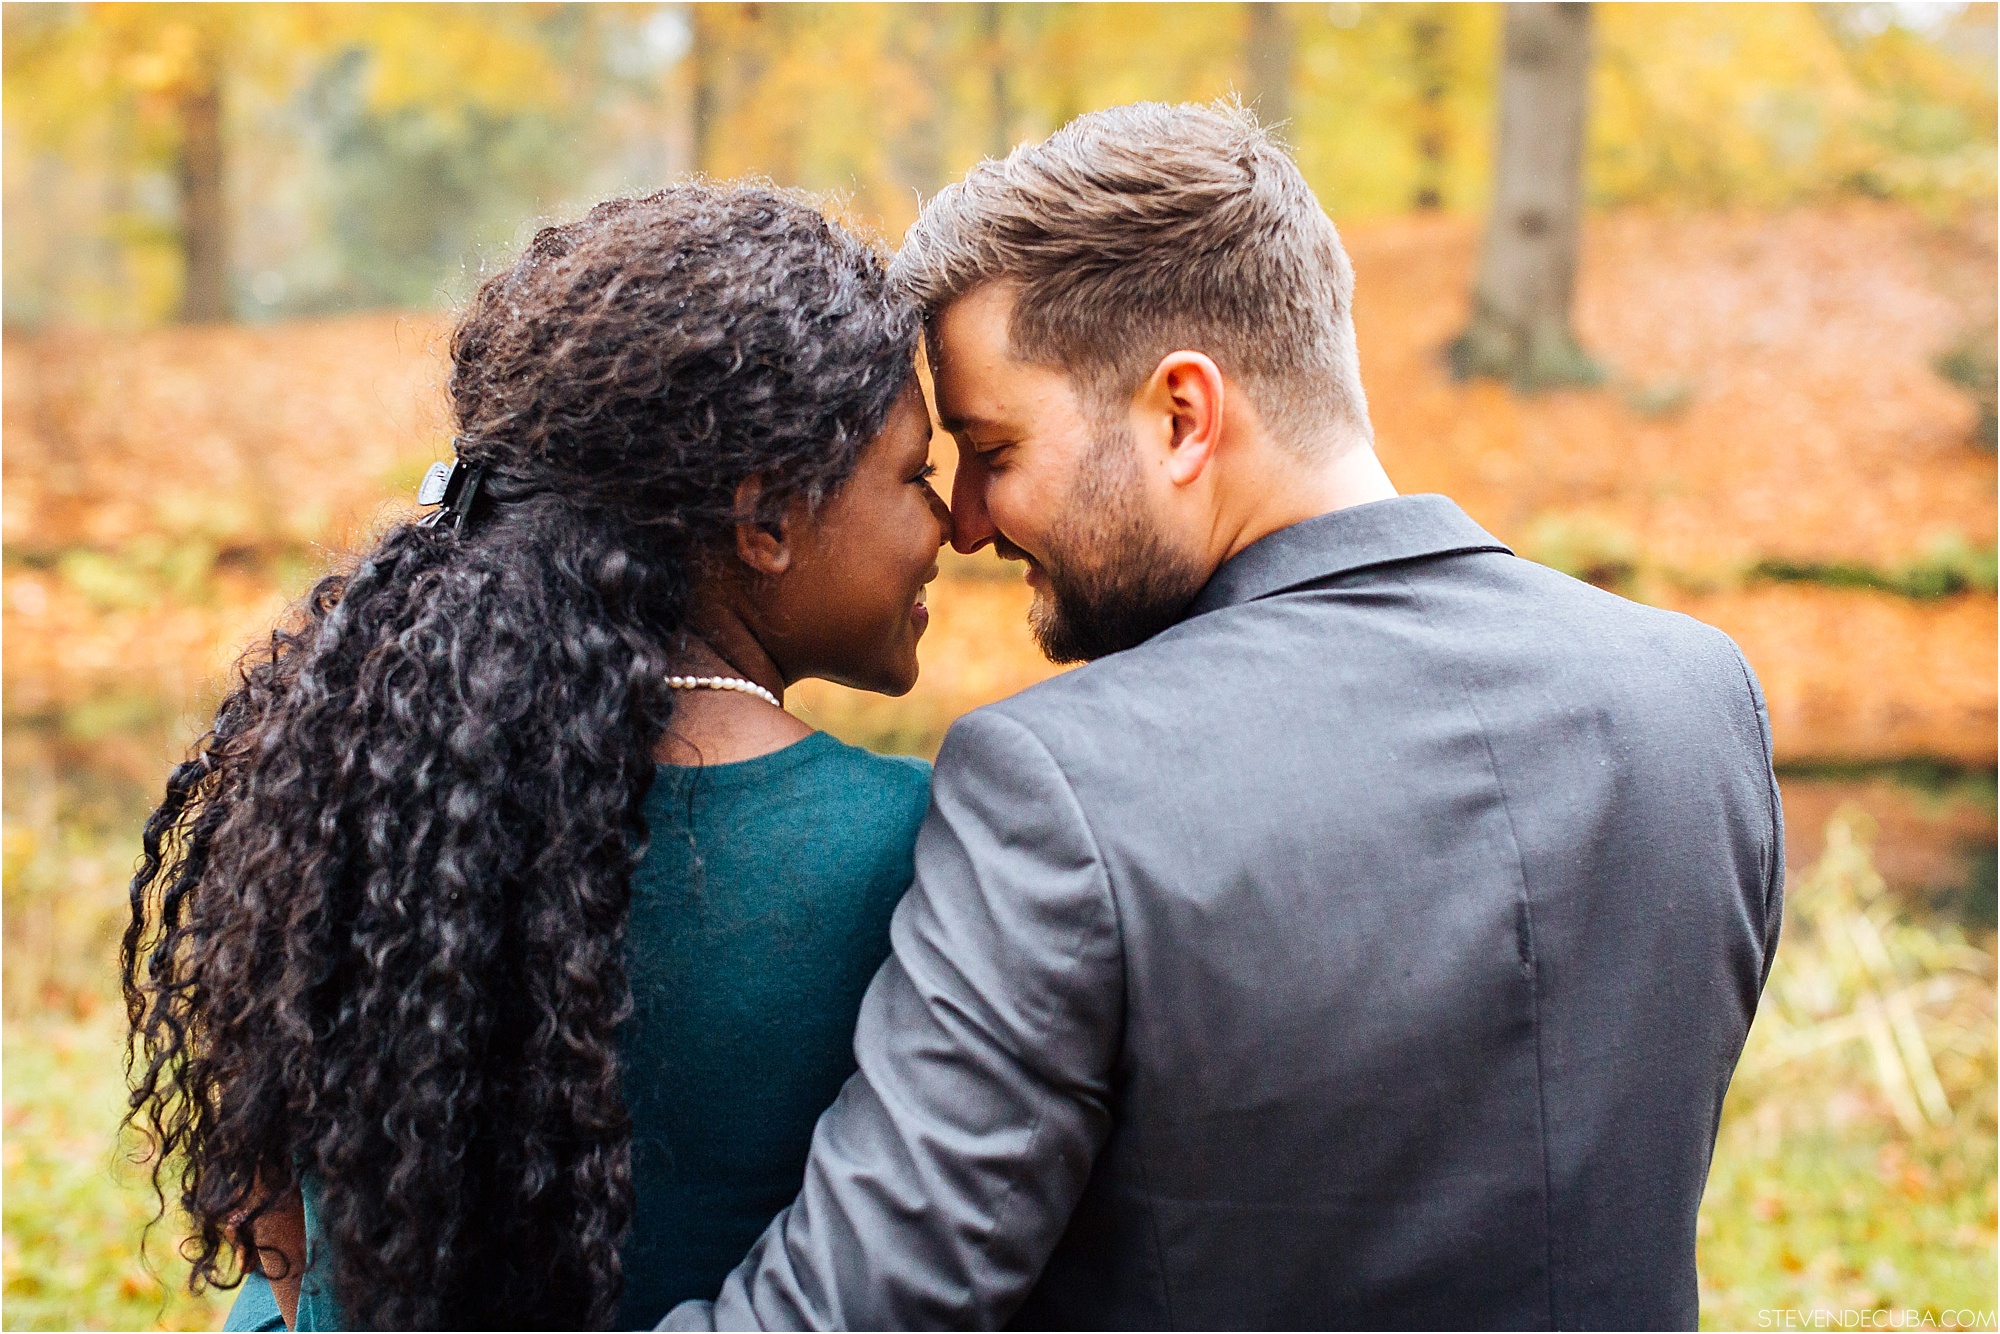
(234, 235)
(270, 161)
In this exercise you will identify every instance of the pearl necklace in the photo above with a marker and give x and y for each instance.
(735, 683)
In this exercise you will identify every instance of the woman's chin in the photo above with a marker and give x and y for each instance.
(893, 676)
(904, 682)
(903, 677)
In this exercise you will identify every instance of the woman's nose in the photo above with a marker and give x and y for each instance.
(942, 512)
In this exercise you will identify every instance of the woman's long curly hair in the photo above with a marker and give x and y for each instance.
(377, 928)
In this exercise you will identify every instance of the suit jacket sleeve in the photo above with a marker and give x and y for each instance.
(943, 1176)
(1774, 869)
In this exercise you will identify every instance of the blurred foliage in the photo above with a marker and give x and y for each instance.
(1858, 975)
(1767, 104)
(75, 1205)
(1661, 401)
(1856, 1165)
(68, 850)
(148, 568)
(376, 152)
(1974, 366)
(1599, 551)
(372, 149)
(1584, 546)
(1949, 565)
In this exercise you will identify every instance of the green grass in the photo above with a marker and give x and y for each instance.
(74, 1205)
(1854, 1218)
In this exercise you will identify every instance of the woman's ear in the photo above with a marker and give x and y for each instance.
(763, 545)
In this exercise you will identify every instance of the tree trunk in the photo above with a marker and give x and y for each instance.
(1521, 307)
(204, 217)
(1000, 140)
(917, 156)
(1430, 62)
(1269, 62)
(704, 93)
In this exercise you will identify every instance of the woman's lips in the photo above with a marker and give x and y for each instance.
(920, 612)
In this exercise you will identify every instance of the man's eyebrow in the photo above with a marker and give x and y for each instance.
(956, 425)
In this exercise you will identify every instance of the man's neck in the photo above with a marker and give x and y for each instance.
(1285, 495)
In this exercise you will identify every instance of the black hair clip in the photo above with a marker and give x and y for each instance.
(452, 487)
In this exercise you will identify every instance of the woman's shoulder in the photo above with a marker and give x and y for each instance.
(820, 790)
(903, 772)
(817, 838)
(894, 786)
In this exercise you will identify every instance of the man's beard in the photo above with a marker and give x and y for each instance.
(1113, 581)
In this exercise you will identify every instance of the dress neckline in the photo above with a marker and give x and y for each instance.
(758, 767)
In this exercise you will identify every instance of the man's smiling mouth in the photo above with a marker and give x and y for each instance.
(1034, 574)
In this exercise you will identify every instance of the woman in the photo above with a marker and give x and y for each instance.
(499, 945)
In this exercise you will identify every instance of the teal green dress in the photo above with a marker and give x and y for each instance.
(759, 915)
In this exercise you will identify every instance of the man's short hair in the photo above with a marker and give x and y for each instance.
(1139, 230)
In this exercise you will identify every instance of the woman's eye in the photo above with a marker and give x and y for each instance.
(929, 471)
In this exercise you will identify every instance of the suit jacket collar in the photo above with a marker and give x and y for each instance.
(1379, 533)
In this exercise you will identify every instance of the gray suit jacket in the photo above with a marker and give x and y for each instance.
(1372, 948)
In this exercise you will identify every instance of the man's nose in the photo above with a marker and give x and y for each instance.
(971, 527)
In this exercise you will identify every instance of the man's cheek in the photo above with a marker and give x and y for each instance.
(1014, 512)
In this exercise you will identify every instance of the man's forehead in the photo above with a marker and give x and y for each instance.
(976, 395)
(978, 379)
(969, 363)
(974, 328)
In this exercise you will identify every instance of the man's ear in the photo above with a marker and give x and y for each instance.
(764, 546)
(1183, 399)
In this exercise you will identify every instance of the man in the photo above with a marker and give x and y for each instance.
(1366, 936)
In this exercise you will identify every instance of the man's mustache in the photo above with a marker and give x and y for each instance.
(1006, 550)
